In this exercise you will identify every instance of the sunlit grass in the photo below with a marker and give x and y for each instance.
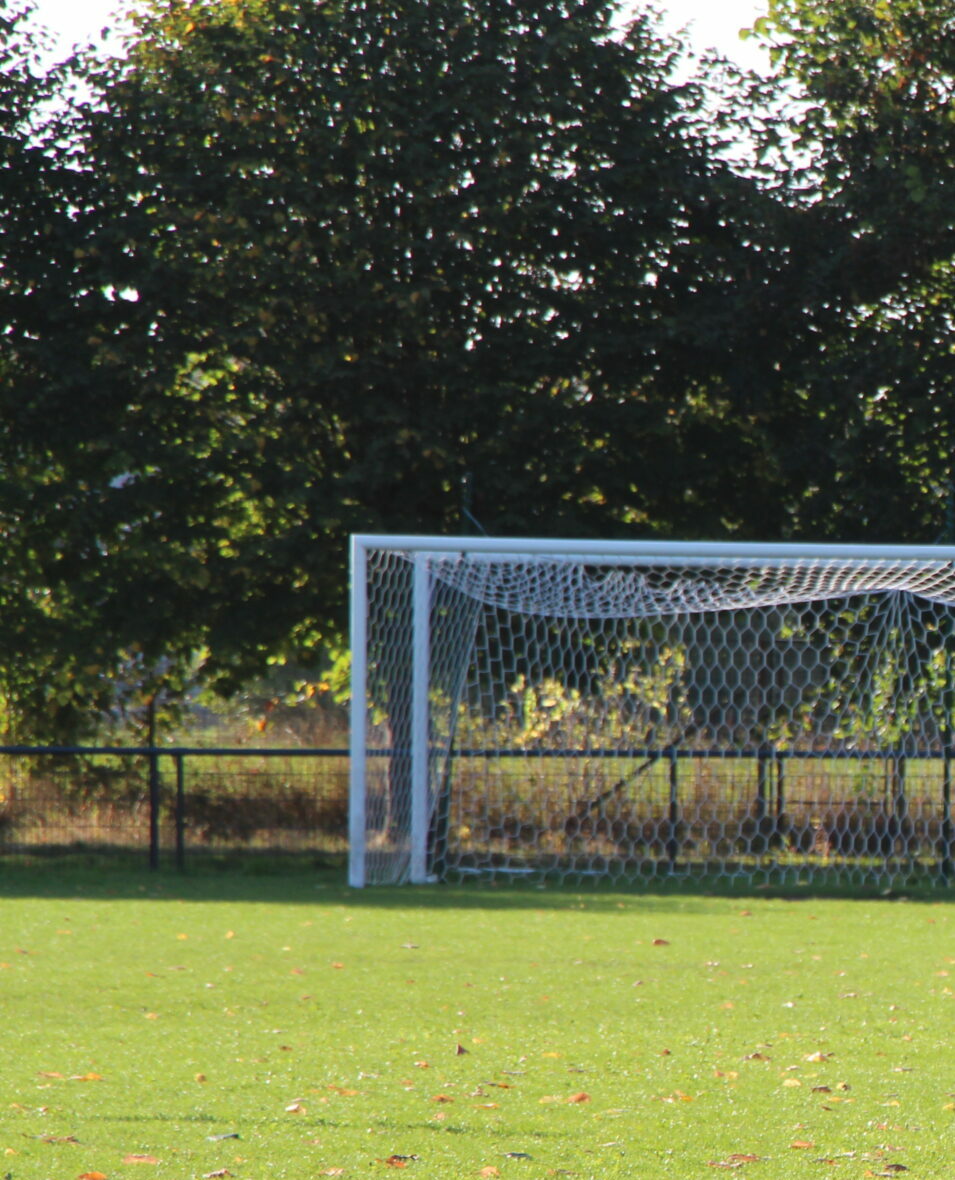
(283, 1026)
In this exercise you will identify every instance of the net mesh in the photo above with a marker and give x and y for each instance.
(632, 717)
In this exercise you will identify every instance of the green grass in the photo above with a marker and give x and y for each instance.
(536, 1033)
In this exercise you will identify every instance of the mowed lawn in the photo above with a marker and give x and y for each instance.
(284, 1026)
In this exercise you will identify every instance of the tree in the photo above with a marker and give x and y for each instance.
(391, 265)
(35, 251)
(866, 352)
(333, 263)
(808, 358)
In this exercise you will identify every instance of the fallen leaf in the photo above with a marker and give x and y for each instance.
(295, 1108)
(216, 1175)
(92, 1176)
(442, 1098)
(489, 1172)
(581, 1096)
(459, 1050)
(398, 1161)
(333, 1172)
(87, 1077)
(661, 942)
(800, 1144)
(140, 1159)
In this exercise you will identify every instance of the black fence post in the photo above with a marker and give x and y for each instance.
(945, 843)
(180, 812)
(673, 843)
(763, 757)
(154, 789)
(948, 704)
(899, 825)
(780, 787)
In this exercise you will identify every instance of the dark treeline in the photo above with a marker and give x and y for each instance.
(282, 270)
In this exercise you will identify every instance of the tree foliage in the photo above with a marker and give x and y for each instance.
(874, 142)
(283, 271)
(337, 266)
(37, 622)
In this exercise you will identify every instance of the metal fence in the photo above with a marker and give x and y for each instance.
(637, 813)
(173, 801)
(882, 811)
(876, 816)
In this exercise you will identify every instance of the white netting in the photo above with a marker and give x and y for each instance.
(556, 587)
(632, 715)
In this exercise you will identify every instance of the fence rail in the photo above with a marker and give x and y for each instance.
(179, 800)
(71, 792)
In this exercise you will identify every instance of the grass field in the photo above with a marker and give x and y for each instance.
(282, 1026)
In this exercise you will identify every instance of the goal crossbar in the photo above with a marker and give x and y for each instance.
(651, 551)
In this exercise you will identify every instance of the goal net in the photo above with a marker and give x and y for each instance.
(630, 710)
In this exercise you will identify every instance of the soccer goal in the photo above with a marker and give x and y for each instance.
(572, 709)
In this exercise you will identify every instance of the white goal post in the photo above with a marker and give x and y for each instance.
(570, 709)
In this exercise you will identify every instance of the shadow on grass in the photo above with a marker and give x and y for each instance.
(311, 880)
